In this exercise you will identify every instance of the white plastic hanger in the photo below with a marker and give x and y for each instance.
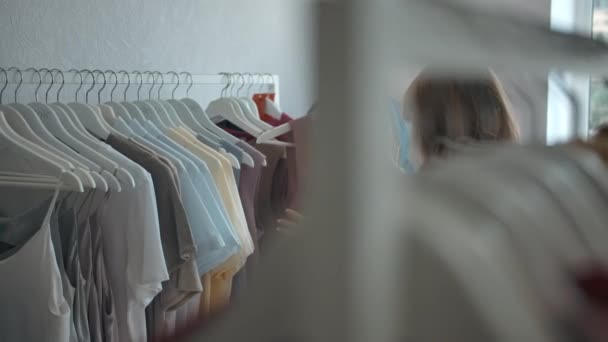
(42, 163)
(203, 118)
(89, 118)
(38, 127)
(132, 111)
(226, 108)
(270, 136)
(164, 115)
(21, 127)
(186, 115)
(251, 112)
(148, 112)
(183, 112)
(37, 182)
(52, 122)
(119, 109)
(15, 111)
(270, 107)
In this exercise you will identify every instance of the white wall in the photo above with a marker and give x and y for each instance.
(203, 36)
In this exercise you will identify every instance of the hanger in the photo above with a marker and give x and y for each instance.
(119, 109)
(225, 107)
(134, 113)
(188, 107)
(270, 107)
(249, 99)
(51, 121)
(147, 109)
(104, 110)
(72, 124)
(23, 130)
(201, 116)
(42, 164)
(41, 131)
(181, 114)
(22, 133)
(148, 112)
(21, 127)
(162, 111)
(100, 182)
(90, 118)
(250, 115)
(37, 182)
(269, 137)
(185, 114)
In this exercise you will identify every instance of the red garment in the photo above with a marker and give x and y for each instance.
(277, 122)
(260, 102)
(594, 285)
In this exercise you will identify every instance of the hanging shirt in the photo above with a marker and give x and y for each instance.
(69, 231)
(177, 242)
(68, 289)
(221, 171)
(207, 190)
(204, 230)
(270, 207)
(133, 251)
(401, 130)
(33, 307)
(249, 186)
(107, 307)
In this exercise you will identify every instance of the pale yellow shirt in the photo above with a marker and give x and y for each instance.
(221, 171)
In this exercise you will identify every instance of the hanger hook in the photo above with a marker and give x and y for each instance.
(224, 91)
(188, 75)
(233, 80)
(250, 81)
(59, 72)
(46, 95)
(153, 83)
(77, 72)
(241, 76)
(271, 81)
(177, 86)
(39, 84)
(162, 81)
(20, 80)
(112, 72)
(141, 83)
(100, 73)
(5, 83)
(124, 96)
(89, 72)
(260, 80)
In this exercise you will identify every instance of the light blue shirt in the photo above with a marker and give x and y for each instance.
(401, 130)
(209, 193)
(206, 234)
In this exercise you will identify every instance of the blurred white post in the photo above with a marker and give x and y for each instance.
(354, 187)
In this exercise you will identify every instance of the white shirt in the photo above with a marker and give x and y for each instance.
(133, 253)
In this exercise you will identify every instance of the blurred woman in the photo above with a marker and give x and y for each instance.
(444, 109)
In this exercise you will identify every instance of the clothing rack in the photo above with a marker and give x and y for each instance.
(234, 81)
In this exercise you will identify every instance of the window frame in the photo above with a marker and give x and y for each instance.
(573, 16)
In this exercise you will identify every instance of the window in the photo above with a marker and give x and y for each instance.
(599, 87)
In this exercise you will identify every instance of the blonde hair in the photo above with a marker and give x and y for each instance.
(456, 108)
